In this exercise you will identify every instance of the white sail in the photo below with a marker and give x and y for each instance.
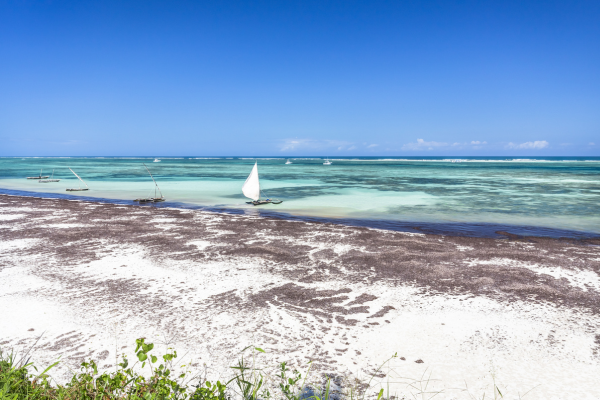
(251, 188)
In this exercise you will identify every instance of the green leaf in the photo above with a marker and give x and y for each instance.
(259, 349)
(147, 347)
(139, 343)
(154, 359)
(142, 356)
(48, 369)
(380, 394)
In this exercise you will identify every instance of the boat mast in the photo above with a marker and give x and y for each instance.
(79, 178)
(161, 195)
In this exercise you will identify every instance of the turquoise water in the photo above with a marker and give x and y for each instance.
(535, 194)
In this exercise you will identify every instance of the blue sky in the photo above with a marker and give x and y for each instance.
(286, 78)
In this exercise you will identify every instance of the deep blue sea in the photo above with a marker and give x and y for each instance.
(476, 196)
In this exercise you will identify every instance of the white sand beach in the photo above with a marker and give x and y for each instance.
(90, 278)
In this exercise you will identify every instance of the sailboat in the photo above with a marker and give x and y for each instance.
(49, 180)
(38, 177)
(288, 162)
(251, 189)
(79, 189)
(154, 199)
(327, 162)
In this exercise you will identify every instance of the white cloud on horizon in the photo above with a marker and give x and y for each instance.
(312, 144)
(292, 144)
(421, 144)
(537, 145)
(308, 145)
(315, 144)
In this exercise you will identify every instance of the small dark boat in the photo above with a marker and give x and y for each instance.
(151, 200)
(38, 177)
(49, 180)
(79, 189)
(266, 201)
(154, 199)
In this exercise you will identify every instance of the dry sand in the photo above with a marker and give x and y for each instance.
(94, 277)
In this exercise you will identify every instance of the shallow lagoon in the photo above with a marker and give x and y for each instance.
(545, 193)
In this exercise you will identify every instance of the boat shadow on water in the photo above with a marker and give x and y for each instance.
(267, 201)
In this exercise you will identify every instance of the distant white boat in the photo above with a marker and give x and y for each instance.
(327, 162)
(49, 180)
(156, 160)
(79, 189)
(288, 162)
(251, 189)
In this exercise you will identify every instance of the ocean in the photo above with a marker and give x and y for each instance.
(473, 196)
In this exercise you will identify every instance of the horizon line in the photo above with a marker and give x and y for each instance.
(300, 156)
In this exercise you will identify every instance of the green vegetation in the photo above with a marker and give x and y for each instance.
(18, 382)
(247, 382)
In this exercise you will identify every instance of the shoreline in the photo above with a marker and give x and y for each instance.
(460, 229)
(94, 276)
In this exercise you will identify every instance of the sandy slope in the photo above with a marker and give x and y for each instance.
(93, 277)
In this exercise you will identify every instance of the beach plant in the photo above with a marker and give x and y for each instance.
(16, 381)
(248, 379)
(152, 377)
(289, 384)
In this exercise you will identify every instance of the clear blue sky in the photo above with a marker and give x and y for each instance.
(289, 78)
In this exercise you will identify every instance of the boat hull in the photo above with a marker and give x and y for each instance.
(263, 202)
(150, 200)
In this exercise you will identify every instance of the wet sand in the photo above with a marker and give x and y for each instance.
(92, 277)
